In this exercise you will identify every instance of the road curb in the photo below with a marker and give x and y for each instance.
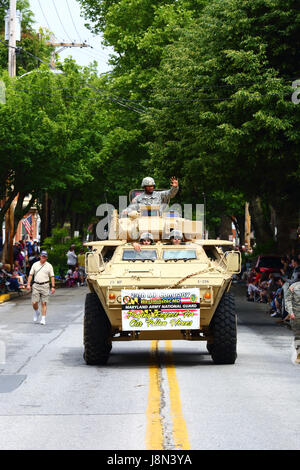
(11, 295)
(4, 298)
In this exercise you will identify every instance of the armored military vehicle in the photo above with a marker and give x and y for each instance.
(160, 290)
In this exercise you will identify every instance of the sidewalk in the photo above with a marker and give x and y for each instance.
(22, 293)
(255, 311)
(12, 295)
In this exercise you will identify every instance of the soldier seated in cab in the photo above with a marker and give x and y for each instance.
(146, 238)
(176, 238)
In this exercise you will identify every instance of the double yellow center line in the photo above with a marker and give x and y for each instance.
(155, 425)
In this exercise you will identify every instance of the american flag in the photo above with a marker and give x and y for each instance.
(28, 224)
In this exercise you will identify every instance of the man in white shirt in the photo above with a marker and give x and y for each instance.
(41, 271)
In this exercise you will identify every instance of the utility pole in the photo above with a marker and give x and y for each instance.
(12, 41)
(12, 38)
(63, 46)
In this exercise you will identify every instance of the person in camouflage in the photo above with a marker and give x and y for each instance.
(145, 239)
(150, 197)
(292, 305)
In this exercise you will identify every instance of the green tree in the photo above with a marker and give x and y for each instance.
(222, 105)
(138, 31)
(51, 140)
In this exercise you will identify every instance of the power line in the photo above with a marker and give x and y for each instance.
(99, 52)
(92, 55)
(73, 20)
(160, 99)
(285, 80)
(61, 21)
(123, 103)
(135, 106)
(45, 18)
(20, 49)
(227, 85)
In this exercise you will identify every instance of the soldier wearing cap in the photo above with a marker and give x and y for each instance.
(150, 197)
(292, 305)
(41, 272)
(176, 237)
(146, 238)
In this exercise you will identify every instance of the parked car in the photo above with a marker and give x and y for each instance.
(269, 264)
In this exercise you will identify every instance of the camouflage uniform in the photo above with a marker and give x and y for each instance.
(157, 198)
(292, 305)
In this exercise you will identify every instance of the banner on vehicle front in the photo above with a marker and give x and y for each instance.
(160, 309)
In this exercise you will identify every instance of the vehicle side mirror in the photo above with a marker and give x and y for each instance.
(93, 262)
(233, 261)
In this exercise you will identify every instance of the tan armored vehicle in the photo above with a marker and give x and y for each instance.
(161, 290)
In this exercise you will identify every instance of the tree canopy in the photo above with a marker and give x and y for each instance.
(215, 79)
(198, 89)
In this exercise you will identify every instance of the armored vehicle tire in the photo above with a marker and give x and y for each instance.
(97, 332)
(224, 332)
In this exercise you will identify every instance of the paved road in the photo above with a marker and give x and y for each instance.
(151, 395)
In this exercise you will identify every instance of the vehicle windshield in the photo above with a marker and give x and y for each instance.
(143, 255)
(179, 254)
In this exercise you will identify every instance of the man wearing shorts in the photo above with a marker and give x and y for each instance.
(41, 272)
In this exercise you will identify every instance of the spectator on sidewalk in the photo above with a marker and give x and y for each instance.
(295, 277)
(29, 246)
(33, 259)
(71, 258)
(17, 274)
(8, 281)
(76, 276)
(263, 285)
(70, 281)
(36, 246)
(4, 266)
(253, 285)
(286, 270)
(276, 302)
(20, 258)
(272, 287)
(11, 281)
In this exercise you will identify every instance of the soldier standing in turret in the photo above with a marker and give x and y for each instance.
(150, 197)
